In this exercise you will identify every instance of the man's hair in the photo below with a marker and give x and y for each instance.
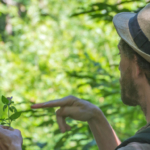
(141, 62)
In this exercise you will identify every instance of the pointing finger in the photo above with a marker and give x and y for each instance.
(66, 101)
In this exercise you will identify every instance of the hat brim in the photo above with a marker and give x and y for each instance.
(121, 21)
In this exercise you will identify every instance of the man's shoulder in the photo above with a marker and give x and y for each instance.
(136, 146)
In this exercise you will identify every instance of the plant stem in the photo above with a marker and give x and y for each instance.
(8, 115)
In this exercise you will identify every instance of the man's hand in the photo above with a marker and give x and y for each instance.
(72, 107)
(10, 139)
(82, 110)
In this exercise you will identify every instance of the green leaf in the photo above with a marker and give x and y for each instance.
(5, 100)
(11, 102)
(4, 107)
(15, 110)
(11, 109)
(15, 116)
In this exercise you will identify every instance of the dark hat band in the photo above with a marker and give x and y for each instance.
(138, 36)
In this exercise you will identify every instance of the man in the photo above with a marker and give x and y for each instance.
(134, 30)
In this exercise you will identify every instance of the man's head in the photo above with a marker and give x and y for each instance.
(134, 70)
(134, 30)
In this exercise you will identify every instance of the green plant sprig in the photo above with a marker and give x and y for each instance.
(12, 111)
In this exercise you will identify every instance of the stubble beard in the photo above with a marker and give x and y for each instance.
(129, 90)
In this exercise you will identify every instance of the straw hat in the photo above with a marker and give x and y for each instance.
(134, 29)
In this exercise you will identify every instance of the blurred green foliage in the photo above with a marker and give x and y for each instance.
(51, 49)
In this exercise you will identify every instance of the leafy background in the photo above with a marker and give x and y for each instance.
(51, 49)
